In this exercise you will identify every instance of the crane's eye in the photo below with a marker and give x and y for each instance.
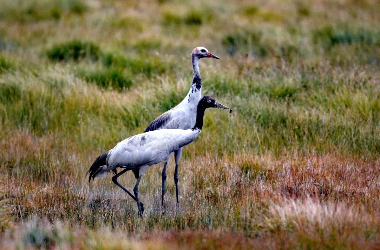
(203, 50)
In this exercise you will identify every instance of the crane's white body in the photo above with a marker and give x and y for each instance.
(183, 115)
(146, 149)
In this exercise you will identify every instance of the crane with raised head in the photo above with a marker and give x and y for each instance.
(183, 115)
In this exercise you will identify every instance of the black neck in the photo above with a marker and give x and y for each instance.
(200, 114)
(196, 74)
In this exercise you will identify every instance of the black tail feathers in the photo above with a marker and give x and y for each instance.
(96, 166)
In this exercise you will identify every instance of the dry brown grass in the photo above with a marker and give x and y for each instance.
(244, 200)
(296, 165)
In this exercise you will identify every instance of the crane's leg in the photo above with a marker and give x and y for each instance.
(114, 179)
(136, 191)
(177, 157)
(163, 184)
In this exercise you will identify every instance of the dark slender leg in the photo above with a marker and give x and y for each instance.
(114, 179)
(136, 191)
(177, 157)
(163, 184)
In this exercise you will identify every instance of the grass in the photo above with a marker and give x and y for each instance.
(40, 10)
(147, 67)
(330, 36)
(295, 166)
(74, 50)
(108, 78)
(5, 64)
(194, 17)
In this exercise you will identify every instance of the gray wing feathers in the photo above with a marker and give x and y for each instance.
(159, 122)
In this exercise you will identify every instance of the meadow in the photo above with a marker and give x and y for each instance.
(295, 166)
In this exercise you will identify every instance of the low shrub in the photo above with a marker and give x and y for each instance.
(5, 64)
(149, 66)
(250, 11)
(9, 93)
(193, 17)
(40, 10)
(329, 36)
(244, 42)
(74, 50)
(114, 78)
(171, 19)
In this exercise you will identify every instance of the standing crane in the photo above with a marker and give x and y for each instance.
(183, 115)
(139, 152)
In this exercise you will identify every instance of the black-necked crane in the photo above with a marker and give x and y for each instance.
(183, 115)
(139, 152)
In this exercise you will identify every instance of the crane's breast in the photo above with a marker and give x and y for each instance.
(182, 118)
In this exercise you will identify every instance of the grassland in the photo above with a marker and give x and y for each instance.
(296, 166)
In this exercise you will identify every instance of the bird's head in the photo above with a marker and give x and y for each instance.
(202, 52)
(210, 102)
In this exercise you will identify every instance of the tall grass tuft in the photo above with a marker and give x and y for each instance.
(5, 64)
(149, 67)
(40, 10)
(330, 36)
(113, 78)
(74, 50)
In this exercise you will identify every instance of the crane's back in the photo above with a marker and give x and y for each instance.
(149, 148)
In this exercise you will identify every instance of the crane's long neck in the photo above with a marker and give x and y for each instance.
(197, 80)
(195, 91)
(199, 120)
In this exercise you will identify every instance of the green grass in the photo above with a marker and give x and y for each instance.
(74, 50)
(107, 78)
(148, 67)
(295, 165)
(40, 10)
(330, 36)
(5, 64)
(193, 17)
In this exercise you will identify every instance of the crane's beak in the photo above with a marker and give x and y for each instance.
(211, 55)
(221, 106)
